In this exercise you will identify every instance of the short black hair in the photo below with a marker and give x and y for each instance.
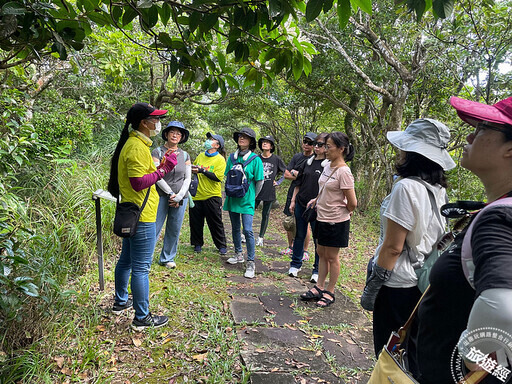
(414, 164)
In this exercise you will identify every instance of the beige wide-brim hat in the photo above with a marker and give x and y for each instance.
(428, 137)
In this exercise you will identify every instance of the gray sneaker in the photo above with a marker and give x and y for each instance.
(250, 269)
(238, 258)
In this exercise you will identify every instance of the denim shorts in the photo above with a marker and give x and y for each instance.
(332, 234)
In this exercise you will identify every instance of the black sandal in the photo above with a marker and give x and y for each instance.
(310, 295)
(325, 302)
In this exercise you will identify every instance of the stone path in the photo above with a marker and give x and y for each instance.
(285, 340)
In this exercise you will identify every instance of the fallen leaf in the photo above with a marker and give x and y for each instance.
(59, 360)
(201, 357)
(318, 353)
(350, 341)
(66, 371)
(334, 340)
(101, 328)
(315, 336)
(259, 350)
(166, 340)
(137, 342)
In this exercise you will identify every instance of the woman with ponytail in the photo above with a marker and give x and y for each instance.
(334, 205)
(132, 173)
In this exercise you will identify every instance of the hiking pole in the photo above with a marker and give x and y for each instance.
(96, 196)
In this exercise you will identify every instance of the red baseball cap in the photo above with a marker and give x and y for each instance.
(473, 112)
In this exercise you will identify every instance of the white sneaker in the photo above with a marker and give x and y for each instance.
(314, 278)
(238, 258)
(259, 242)
(293, 272)
(250, 269)
(170, 265)
(243, 238)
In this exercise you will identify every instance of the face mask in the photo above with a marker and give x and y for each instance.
(207, 145)
(156, 131)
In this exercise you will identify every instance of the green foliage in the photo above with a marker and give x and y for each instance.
(66, 124)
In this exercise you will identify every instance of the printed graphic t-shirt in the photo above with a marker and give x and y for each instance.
(208, 188)
(271, 167)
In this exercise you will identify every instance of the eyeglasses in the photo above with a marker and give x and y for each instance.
(318, 144)
(307, 142)
(174, 133)
(483, 125)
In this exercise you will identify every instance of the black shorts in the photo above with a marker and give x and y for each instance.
(332, 234)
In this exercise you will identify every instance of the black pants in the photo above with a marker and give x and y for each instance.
(211, 209)
(393, 307)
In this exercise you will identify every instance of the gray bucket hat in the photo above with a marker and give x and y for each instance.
(249, 132)
(268, 138)
(428, 137)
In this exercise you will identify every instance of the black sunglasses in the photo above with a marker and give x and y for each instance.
(308, 142)
(318, 144)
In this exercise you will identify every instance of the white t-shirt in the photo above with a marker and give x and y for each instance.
(409, 205)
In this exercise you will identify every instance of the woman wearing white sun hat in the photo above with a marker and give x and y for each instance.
(410, 226)
(454, 311)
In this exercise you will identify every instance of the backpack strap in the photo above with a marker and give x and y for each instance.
(466, 256)
(436, 212)
(246, 163)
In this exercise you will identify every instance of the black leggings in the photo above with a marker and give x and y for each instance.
(265, 215)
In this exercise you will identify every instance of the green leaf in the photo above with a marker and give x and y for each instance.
(313, 9)
(222, 60)
(165, 39)
(165, 13)
(117, 12)
(208, 22)
(129, 15)
(60, 49)
(364, 5)
(232, 82)
(344, 10)
(98, 17)
(297, 64)
(275, 8)
(194, 20)
(173, 65)
(214, 85)
(141, 4)
(327, 5)
(13, 8)
(442, 8)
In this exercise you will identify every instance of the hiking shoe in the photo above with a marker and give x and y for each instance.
(238, 258)
(149, 321)
(197, 249)
(305, 256)
(286, 251)
(259, 242)
(250, 269)
(293, 272)
(243, 238)
(118, 308)
(170, 265)
(314, 278)
(223, 251)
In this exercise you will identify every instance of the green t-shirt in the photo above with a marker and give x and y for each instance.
(253, 172)
(208, 188)
(135, 161)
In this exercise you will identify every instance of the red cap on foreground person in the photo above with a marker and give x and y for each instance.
(472, 112)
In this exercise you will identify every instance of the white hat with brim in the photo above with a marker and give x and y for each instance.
(427, 137)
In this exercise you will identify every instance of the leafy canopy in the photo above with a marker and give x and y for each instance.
(199, 38)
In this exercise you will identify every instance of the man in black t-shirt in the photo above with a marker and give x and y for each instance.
(291, 174)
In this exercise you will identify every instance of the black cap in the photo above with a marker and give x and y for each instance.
(141, 111)
(311, 136)
(249, 132)
(268, 138)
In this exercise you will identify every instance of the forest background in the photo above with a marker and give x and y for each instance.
(70, 71)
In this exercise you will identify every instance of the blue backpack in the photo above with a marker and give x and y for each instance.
(236, 181)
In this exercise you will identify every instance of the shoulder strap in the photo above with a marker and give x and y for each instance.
(249, 160)
(403, 330)
(436, 212)
(232, 158)
(145, 199)
(467, 252)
